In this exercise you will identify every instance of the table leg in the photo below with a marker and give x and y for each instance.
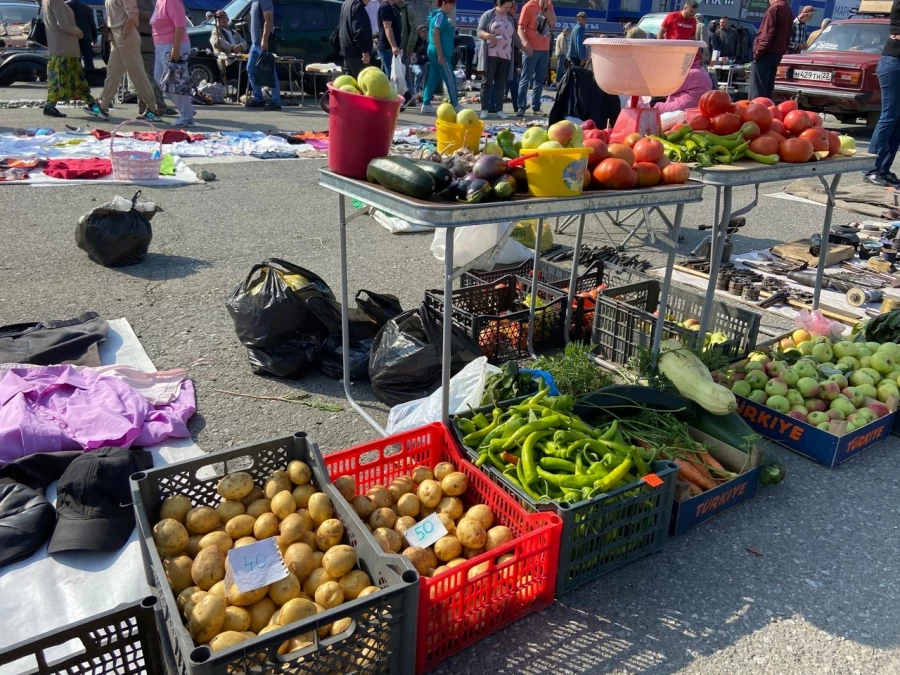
(717, 245)
(446, 360)
(826, 231)
(345, 317)
(667, 282)
(572, 279)
(534, 276)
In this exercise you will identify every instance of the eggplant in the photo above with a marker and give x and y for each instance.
(518, 172)
(479, 190)
(505, 187)
(470, 176)
(457, 190)
(489, 167)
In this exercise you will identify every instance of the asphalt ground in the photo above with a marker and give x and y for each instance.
(822, 597)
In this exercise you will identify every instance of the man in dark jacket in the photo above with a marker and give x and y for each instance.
(84, 19)
(725, 40)
(355, 35)
(770, 45)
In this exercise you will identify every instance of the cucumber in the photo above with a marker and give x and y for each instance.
(440, 173)
(400, 175)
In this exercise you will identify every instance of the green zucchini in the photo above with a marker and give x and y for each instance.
(400, 175)
(441, 174)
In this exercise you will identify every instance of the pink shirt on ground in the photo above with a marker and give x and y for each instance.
(168, 15)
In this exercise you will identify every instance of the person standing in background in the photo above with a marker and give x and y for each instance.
(389, 35)
(262, 23)
(419, 60)
(770, 45)
(702, 34)
(169, 24)
(440, 48)
(816, 33)
(798, 30)
(148, 56)
(498, 33)
(65, 74)
(538, 18)
(577, 51)
(84, 19)
(356, 35)
(725, 40)
(407, 42)
(562, 48)
(634, 32)
(680, 25)
(886, 137)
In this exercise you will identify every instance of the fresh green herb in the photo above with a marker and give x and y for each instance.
(574, 371)
(508, 383)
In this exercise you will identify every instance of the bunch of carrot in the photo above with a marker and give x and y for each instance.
(699, 469)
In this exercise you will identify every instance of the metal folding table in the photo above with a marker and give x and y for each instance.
(724, 178)
(449, 217)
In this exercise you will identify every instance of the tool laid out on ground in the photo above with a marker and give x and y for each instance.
(843, 234)
(781, 266)
(867, 271)
(785, 294)
(592, 254)
(704, 248)
(868, 249)
(858, 296)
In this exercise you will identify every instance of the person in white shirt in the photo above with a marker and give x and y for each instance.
(226, 44)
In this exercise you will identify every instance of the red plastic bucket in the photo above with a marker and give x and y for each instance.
(360, 129)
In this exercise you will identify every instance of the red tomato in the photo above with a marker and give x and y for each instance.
(818, 138)
(762, 100)
(621, 151)
(676, 173)
(764, 145)
(586, 181)
(714, 103)
(796, 150)
(772, 134)
(726, 123)
(787, 106)
(615, 174)
(797, 121)
(599, 151)
(834, 143)
(648, 150)
(631, 139)
(759, 114)
(700, 123)
(750, 130)
(648, 174)
(776, 113)
(778, 127)
(815, 119)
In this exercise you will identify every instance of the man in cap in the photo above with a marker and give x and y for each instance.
(798, 30)
(577, 50)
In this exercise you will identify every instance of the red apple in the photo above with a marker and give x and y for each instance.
(588, 124)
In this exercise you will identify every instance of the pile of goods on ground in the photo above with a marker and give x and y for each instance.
(323, 572)
(835, 386)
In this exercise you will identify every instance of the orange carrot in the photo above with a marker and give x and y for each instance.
(695, 489)
(698, 464)
(711, 461)
(688, 472)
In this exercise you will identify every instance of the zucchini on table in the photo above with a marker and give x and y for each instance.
(401, 175)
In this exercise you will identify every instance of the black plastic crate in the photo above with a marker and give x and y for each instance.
(381, 638)
(492, 315)
(547, 273)
(122, 641)
(624, 321)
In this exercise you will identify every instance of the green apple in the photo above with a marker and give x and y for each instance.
(776, 387)
(824, 426)
(806, 347)
(550, 145)
(759, 356)
(840, 379)
(863, 351)
(891, 348)
(884, 393)
(860, 377)
(843, 405)
(854, 395)
(857, 420)
(865, 361)
(882, 361)
(533, 137)
(742, 388)
(808, 387)
(758, 396)
(779, 403)
(873, 346)
(822, 340)
(848, 363)
(868, 414)
(790, 377)
(868, 390)
(817, 418)
(871, 372)
(893, 374)
(804, 368)
(756, 379)
(343, 81)
(794, 397)
(822, 351)
(844, 348)
(754, 365)
(850, 427)
(467, 117)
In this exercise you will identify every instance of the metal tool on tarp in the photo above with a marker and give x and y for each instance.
(857, 297)
(844, 234)
(702, 251)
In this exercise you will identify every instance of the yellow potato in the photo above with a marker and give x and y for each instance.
(346, 486)
(447, 548)
(442, 470)
(339, 560)
(400, 487)
(317, 559)
(448, 523)
(320, 508)
(477, 569)
(245, 541)
(506, 557)
(422, 473)
(426, 511)
(229, 508)
(430, 494)
(227, 638)
(277, 481)
(380, 496)
(202, 520)
(170, 537)
(235, 485)
(469, 553)
(363, 506)
(456, 561)
(220, 540)
(236, 618)
(240, 526)
(330, 533)
(408, 505)
(260, 613)
(403, 524)
(208, 568)
(207, 618)
(285, 589)
(497, 536)
(235, 597)
(330, 594)
(269, 629)
(178, 572)
(324, 629)
(470, 533)
(482, 514)
(353, 583)
(299, 560)
(309, 538)
(383, 518)
(255, 494)
(296, 610)
(193, 545)
(259, 507)
(439, 570)
(302, 493)
(265, 526)
(292, 527)
(452, 506)
(218, 588)
(281, 543)
(368, 591)
(390, 541)
(191, 602)
(315, 579)
(420, 560)
(454, 484)
(341, 625)
(306, 520)
(299, 472)
(283, 504)
(175, 507)
(184, 596)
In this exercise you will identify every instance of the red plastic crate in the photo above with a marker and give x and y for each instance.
(455, 613)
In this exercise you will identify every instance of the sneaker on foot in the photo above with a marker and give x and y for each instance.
(181, 123)
(878, 179)
(485, 115)
(270, 105)
(891, 179)
(95, 110)
(151, 116)
(51, 111)
(502, 115)
(520, 113)
(253, 103)
(427, 109)
(537, 111)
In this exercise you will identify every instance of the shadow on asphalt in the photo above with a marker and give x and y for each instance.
(164, 266)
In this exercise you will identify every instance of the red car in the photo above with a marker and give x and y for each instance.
(836, 74)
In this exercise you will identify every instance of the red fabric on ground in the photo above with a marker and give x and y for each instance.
(78, 168)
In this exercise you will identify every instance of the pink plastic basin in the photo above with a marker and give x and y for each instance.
(641, 67)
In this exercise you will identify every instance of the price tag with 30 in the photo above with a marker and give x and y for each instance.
(426, 532)
(254, 566)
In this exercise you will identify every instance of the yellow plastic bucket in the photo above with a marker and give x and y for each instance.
(452, 136)
(557, 172)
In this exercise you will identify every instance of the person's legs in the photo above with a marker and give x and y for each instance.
(386, 56)
(541, 63)
(418, 77)
(770, 74)
(886, 137)
(354, 65)
(130, 50)
(87, 53)
(410, 78)
(528, 63)
(432, 80)
(487, 85)
(498, 93)
(150, 68)
(560, 68)
(512, 86)
(449, 79)
(115, 70)
(252, 56)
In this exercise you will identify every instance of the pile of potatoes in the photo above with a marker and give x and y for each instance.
(390, 511)
(193, 541)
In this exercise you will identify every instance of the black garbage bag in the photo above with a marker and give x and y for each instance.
(372, 311)
(580, 96)
(283, 314)
(406, 357)
(117, 233)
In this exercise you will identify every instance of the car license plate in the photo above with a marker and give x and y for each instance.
(815, 75)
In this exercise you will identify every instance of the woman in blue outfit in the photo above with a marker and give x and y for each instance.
(440, 51)
(886, 137)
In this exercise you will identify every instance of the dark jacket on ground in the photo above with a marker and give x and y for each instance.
(774, 33)
(355, 29)
(84, 19)
(580, 96)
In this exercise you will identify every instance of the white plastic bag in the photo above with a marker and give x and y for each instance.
(396, 225)
(466, 389)
(398, 75)
(481, 247)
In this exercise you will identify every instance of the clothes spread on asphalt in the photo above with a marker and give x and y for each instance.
(78, 168)
(44, 343)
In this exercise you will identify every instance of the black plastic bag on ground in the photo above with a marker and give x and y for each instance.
(117, 233)
(283, 314)
(406, 357)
